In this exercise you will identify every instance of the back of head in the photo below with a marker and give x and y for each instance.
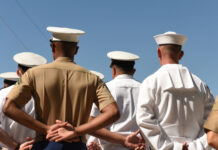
(170, 47)
(26, 60)
(124, 61)
(10, 78)
(171, 50)
(124, 66)
(64, 41)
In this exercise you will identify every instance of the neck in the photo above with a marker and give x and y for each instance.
(168, 61)
(56, 55)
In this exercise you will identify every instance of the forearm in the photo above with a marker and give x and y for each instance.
(109, 115)
(109, 136)
(7, 140)
(12, 111)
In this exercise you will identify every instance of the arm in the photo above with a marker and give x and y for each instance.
(212, 139)
(109, 114)
(15, 112)
(7, 140)
(148, 123)
(131, 141)
(115, 137)
(12, 110)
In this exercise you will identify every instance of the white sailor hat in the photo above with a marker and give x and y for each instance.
(170, 37)
(122, 56)
(65, 34)
(29, 59)
(100, 75)
(11, 76)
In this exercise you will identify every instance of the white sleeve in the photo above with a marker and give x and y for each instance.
(201, 142)
(91, 139)
(151, 130)
(95, 111)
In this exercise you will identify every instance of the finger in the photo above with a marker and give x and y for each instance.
(50, 135)
(137, 132)
(30, 147)
(59, 139)
(28, 143)
(55, 138)
(59, 125)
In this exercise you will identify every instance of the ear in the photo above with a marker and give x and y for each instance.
(133, 71)
(159, 52)
(76, 50)
(19, 73)
(181, 54)
(52, 47)
(114, 71)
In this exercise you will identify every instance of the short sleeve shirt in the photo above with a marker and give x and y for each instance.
(62, 90)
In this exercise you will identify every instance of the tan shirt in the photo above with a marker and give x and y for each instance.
(61, 90)
(212, 120)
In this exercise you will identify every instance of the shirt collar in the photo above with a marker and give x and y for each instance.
(64, 59)
(124, 76)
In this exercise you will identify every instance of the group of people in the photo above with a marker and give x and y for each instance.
(61, 105)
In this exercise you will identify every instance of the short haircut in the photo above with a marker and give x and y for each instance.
(126, 66)
(24, 68)
(9, 82)
(172, 47)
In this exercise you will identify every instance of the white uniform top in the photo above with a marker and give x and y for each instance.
(125, 91)
(173, 105)
(15, 130)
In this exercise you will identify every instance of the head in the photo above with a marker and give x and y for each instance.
(21, 69)
(122, 67)
(64, 41)
(169, 53)
(8, 83)
(170, 47)
(63, 49)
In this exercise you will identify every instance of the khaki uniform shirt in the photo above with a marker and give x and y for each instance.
(61, 90)
(212, 120)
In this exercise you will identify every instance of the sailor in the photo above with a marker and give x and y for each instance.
(10, 78)
(124, 89)
(173, 103)
(65, 91)
(12, 134)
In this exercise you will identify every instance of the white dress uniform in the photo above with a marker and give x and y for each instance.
(15, 130)
(172, 108)
(125, 91)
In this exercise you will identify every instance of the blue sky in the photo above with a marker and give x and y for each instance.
(127, 25)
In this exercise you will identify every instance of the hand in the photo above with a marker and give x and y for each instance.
(27, 145)
(64, 132)
(54, 127)
(94, 146)
(134, 142)
(185, 146)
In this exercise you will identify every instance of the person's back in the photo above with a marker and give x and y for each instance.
(65, 91)
(125, 89)
(181, 100)
(173, 103)
(59, 91)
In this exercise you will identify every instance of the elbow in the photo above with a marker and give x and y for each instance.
(116, 114)
(7, 108)
(211, 138)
